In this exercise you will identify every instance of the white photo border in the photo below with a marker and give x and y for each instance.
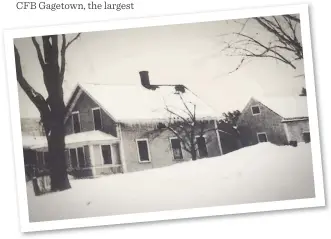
(26, 226)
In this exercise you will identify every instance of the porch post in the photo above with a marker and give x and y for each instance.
(122, 155)
(218, 138)
(92, 158)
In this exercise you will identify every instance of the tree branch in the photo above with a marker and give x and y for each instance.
(64, 48)
(293, 18)
(266, 50)
(176, 114)
(179, 137)
(39, 54)
(283, 40)
(37, 99)
(186, 107)
(74, 39)
(63, 57)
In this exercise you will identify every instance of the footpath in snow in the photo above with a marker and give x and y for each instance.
(260, 173)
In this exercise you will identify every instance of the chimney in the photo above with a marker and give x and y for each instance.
(145, 80)
(180, 88)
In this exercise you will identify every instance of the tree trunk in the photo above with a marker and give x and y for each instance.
(55, 122)
(56, 134)
(56, 143)
(52, 109)
(58, 167)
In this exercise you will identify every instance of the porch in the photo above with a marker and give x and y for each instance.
(88, 154)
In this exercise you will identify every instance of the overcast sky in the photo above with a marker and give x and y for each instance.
(188, 54)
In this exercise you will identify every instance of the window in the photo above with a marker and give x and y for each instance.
(106, 154)
(81, 157)
(46, 159)
(255, 110)
(97, 118)
(40, 159)
(73, 158)
(75, 121)
(67, 157)
(143, 151)
(306, 137)
(176, 148)
(202, 147)
(262, 137)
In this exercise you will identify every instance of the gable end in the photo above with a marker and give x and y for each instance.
(74, 99)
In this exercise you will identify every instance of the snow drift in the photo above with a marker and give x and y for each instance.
(260, 173)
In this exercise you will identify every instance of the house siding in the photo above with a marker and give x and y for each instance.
(267, 121)
(229, 143)
(211, 137)
(159, 146)
(296, 129)
(82, 173)
(84, 106)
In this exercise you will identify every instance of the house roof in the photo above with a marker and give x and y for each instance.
(37, 142)
(136, 103)
(287, 107)
(227, 128)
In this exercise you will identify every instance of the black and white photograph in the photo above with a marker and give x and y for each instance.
(155, 118)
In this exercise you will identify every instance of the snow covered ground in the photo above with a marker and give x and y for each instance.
(260, 173)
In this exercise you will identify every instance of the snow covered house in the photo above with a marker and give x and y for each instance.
(114, 128)
(274, 119)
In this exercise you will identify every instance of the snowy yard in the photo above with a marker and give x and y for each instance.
(260, 173)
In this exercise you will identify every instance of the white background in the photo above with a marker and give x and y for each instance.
(287, 224)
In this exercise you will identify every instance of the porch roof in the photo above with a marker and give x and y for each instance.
(30, 141)
(71, 140)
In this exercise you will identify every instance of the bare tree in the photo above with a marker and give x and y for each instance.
(276, 37)
(187, 127)
(231, 117)
(52, 109)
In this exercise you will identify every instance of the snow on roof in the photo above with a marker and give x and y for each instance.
(136, 103)
(37, 142)
(287, 107)
(30, 142)
(88, 136)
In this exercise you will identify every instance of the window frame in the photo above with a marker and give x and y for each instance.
(77, 163)
(73, 123)
(260, 133)
(101, 124)
(77, 158)
(111, 154)
(257, 107)
(204, 136)
(148, 150)
(172, 150)
(69, 159)
(46, 158)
